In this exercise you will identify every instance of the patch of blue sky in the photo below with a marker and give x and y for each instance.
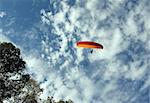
(135, 51)
(130, 86)
(22, 20)
(71, 2)
(141, 97)
(106, 23)
(55, 6)
(26, 13)
(124, 9)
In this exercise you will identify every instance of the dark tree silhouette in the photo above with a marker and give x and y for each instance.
(11, 65)
(12, 78)
(15, 85)
(51, 100)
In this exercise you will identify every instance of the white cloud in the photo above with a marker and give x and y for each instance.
(106, 22)
(2, 14)
(68, 72)
(36, 65)
(3, 38)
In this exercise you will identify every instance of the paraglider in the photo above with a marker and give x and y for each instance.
(89, 44)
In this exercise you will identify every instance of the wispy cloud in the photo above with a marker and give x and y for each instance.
(2, 14)
(106, 76)
(3, 38)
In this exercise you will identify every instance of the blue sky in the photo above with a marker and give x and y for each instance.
(47, 31)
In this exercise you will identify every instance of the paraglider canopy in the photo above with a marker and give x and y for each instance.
(89, 44)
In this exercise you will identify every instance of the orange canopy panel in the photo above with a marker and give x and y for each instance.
(89, 44)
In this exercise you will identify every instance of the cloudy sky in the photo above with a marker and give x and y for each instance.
(47, 31)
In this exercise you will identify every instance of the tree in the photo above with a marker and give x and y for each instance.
(15, 85)
(11, 65)
(51, 100)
